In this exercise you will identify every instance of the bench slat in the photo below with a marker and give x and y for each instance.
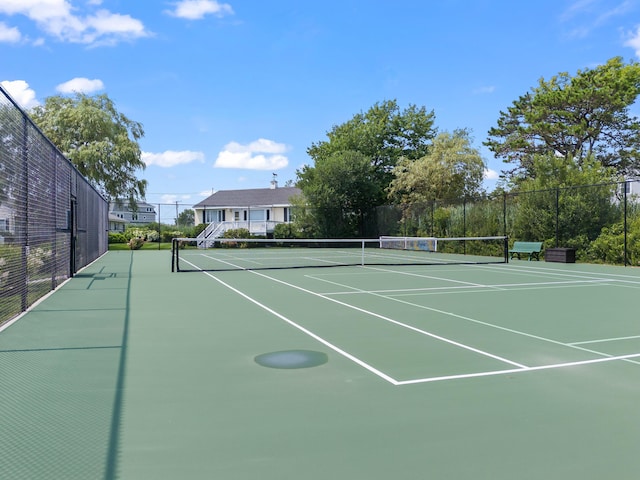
(531, 248)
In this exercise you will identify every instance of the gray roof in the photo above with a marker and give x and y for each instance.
(250, 197)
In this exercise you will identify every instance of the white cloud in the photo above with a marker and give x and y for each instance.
(634, 41)
(584, 16)
(108, 28)
(261, 154)
(491, 174)
(171, 158)
(21, 93)
(484, 90)
(9, 34)
(58, 18)
(80, 84)
(171, 198)
(197, 9)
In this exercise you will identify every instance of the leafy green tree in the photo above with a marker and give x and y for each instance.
(352, 169)
(451, 170)
(99, 140)
(573, 201)
(342, 193)
(574, 117)
(186, 218)
(384, 134)
(11, 148)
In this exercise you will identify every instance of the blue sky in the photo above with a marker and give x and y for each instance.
(230, 92)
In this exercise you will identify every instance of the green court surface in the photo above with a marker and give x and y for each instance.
(526, 370)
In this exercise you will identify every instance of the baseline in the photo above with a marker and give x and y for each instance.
(476, 321)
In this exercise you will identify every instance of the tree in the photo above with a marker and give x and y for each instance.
(186, 218)
(452, 170)
(100, 141)
(383, 134)
(575, 118)
(374, 141)
(341, 193)
(564, 202)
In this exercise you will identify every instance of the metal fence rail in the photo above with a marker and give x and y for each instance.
(52, 221)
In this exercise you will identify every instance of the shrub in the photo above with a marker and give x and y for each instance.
(152, 236)
(168, 236)
(38, 259)
(136, 243)
(286, 230)
(236, 233)
(609, 246)
(198, 229)
(115, 237)
(143, 233)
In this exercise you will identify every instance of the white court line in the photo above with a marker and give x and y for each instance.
(479, 322)
(302, 329)
(521, 368)
(603, 340)
(409, 274)
(395, 322)
(482, 291)
(516, 370)
(550, 271)
(505, 286)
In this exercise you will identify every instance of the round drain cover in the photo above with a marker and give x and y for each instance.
(292, 359)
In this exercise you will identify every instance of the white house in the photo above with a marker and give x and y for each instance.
(632, 188)
(258, 210)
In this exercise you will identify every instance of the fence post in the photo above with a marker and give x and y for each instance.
(464, 224)
(24, 274)
(557, 217)
(504, 212)
(625, 222)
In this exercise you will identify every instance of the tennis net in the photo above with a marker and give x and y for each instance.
(192, 254)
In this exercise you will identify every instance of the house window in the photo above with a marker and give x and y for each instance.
(257, 215)
(213, 216)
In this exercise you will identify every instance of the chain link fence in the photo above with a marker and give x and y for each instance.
(52, 221)
(601, 222)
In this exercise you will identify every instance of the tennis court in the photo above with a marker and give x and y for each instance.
(523, 370)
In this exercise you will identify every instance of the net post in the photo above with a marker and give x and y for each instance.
(506, 249)
(173, 255)
(362, 258)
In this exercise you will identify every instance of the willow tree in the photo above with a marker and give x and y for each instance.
(98, 139)
(452, 170)
(450, 173)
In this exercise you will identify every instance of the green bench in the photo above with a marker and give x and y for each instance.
(532, 249)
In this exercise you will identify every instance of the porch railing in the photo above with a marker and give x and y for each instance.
(255, 227)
